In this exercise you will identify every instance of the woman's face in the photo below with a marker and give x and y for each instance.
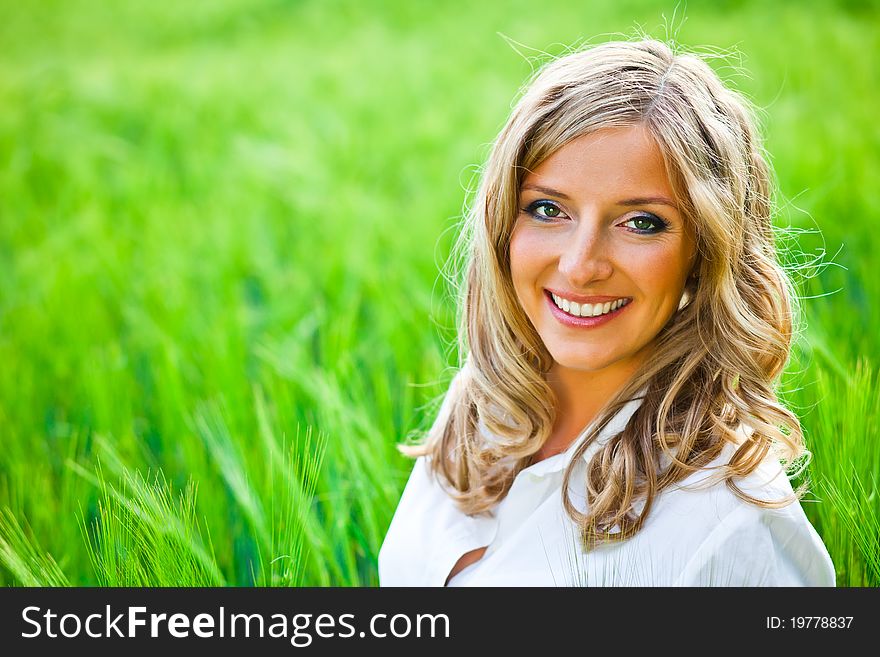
(599, 228)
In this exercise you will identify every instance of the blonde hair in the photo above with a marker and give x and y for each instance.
(716, 362)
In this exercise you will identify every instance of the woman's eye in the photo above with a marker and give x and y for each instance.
(544, 210)
(646, 224)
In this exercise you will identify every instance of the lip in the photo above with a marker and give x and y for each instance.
(585, 322)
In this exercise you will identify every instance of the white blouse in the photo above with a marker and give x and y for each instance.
(692, 537)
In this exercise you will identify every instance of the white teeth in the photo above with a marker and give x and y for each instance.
(587, 309)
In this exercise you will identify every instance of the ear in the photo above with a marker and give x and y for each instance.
(696, 262)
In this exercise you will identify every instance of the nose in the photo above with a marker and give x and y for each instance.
(586, 258)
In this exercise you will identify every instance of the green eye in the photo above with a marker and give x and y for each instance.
(548, 210)
(646, 224)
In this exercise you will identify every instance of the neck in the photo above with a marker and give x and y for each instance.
(581, 394)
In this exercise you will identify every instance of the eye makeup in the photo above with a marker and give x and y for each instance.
(643, 224)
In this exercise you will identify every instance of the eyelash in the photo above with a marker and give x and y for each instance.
(659, 224)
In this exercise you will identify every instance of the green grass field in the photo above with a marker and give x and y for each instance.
(222, 227)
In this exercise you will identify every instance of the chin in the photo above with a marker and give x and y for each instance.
(583, 362)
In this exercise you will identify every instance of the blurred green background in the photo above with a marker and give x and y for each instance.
(222, 226)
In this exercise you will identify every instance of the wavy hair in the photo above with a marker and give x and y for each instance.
(712, 377)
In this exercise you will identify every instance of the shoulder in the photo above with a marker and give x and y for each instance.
(737, 543)
(754, 546)
(421, 487)
(408, 524)
(427, 533)
(424, 505)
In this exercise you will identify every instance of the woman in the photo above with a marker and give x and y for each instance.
(625, 322)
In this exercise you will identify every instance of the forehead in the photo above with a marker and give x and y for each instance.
(617, 161)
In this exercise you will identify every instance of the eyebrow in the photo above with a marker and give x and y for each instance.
(642, 200)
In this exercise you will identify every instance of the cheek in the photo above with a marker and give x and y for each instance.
(528, 256)
(659, 270)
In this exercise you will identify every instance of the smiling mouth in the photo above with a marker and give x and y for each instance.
(587, 309)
